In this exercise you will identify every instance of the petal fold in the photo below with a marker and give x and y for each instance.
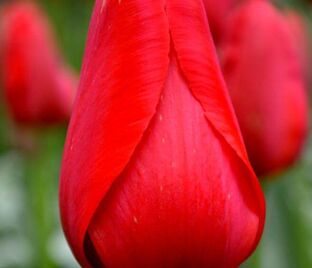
(202, 71)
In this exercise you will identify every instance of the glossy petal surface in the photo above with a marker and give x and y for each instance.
(181, 201)
(266, 84)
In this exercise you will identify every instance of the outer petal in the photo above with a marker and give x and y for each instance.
(124, 71)
(198, 62)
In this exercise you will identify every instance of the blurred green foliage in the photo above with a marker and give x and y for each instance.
(70, 19)
(287, 240)
(30, 233)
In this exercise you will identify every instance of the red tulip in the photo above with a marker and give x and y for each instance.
(155, 173)
(266, 82)
(218, 12)
(39, 89)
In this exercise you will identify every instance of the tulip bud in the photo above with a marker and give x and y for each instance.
(263, 71)
(39, 89)
(155, 173)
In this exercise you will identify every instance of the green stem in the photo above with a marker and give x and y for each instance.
(40, 187)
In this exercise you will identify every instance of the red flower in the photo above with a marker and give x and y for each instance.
(39, 89)
(218, 12)
(155, 173)
(266, 82)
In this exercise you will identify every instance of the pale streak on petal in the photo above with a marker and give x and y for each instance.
(103, 4)
(161, 188)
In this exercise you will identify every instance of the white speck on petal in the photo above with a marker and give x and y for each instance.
(161, 188)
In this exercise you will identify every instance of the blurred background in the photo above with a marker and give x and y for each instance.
(30, 232)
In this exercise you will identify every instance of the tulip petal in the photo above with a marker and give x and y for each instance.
(206, 82)
(124, 71)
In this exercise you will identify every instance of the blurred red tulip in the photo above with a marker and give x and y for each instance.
(39, 89)
(218, 12)
(301, 38)
(155, 173)
(266, 82)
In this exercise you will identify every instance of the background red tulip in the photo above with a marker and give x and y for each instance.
(263, 71)
(39, 89)
(218, 12)
(155, 173)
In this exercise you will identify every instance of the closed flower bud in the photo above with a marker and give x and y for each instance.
(266, 82)
(39, 88)
(155, 173)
